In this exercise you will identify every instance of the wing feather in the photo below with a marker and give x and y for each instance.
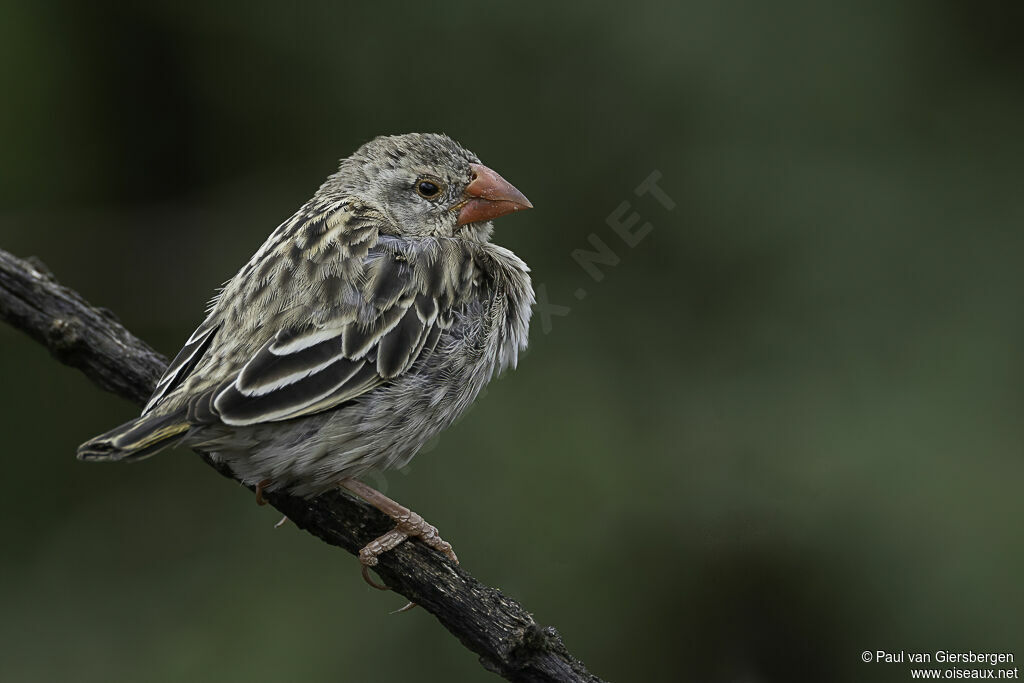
(395, 349)
(276, 366)
(284, 402)
(360, 338)
(183, 364)
(273, 387)
(304, 371)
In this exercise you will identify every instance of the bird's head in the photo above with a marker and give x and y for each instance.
(429, 185)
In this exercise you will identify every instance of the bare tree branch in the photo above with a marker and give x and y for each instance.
(504, 635)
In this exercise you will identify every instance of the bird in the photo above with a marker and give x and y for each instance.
(364, 325)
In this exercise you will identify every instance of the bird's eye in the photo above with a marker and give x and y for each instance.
(428, 189)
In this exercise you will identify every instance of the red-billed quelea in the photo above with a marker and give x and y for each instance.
(364, 325)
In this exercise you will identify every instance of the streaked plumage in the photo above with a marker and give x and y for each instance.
(364, 325)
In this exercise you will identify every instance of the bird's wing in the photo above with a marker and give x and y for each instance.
(305, 370)
(344, 230)
(387, 312)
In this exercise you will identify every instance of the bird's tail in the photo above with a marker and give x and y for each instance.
(140, 438)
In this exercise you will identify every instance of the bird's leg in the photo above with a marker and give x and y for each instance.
(407, 524)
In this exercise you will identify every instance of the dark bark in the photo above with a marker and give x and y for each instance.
(504, 635)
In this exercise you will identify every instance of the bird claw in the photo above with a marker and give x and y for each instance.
(260, 500)
(408, 606)
(381, 587)
(369, 579)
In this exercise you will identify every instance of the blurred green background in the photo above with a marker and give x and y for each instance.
(784, 429)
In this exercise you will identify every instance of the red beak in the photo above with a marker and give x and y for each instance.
(489, 196)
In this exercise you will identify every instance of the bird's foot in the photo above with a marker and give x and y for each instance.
(408, 524)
